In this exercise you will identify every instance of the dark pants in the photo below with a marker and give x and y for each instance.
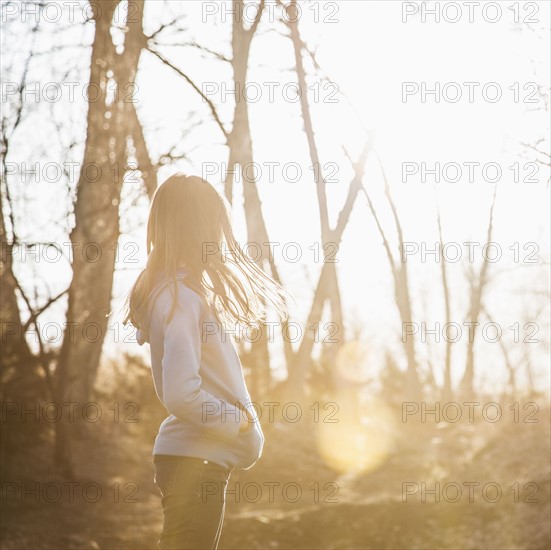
(194, 496)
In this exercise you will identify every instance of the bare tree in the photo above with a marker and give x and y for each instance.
(16, 355)
(299, 366)
(240, 155)
(478, 285)
(96, 211)
(447, 386)
(399, 272)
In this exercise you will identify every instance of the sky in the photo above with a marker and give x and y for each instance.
(372, 53)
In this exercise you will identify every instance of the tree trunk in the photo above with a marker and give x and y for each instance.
(447, 386)
(241, 154)
(15, 350)
(96, 230)
(476, 305)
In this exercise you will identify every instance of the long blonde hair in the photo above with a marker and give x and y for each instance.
(189, 225)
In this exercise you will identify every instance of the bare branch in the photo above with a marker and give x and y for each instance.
(195, 45)
(35, 313)
(257, 18)
(167, 25)
(194, 86)
(353, 190)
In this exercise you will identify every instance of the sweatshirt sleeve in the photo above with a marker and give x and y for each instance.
(183, 394)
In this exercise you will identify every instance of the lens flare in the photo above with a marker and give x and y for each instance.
(359, 437)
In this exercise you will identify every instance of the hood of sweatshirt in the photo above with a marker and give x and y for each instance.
(142, 334)
(142, 337)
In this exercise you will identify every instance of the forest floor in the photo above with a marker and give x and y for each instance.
(332, 511)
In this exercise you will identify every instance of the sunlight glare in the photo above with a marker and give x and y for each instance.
(361, 438)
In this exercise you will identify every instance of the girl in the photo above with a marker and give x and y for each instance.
(196, 279)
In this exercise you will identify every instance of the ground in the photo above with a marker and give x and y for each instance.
(336, 510)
